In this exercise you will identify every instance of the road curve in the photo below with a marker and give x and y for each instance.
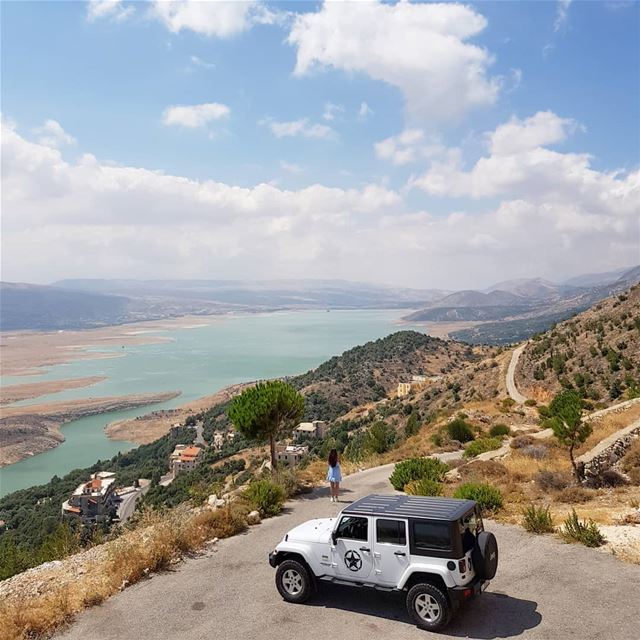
(544, 589)
(511, 372)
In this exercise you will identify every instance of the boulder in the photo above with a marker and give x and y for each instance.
(253, 518)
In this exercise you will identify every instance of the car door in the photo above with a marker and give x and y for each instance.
(390, 550)
(352, 549)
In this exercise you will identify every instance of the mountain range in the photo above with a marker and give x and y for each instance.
(508, 310)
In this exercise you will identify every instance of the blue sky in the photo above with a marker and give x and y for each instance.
(307, 94)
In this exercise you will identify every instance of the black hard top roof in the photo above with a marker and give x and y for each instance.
(410, 507)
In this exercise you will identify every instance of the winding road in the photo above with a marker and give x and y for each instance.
(544, 589)
(512, 390)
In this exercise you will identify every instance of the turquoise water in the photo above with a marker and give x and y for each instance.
(197, 362)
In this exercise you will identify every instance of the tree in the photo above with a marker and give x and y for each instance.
(380, 437)
(267, 411)
(565, 419)
(413, 425)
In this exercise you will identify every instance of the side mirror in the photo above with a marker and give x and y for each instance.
(334, 537)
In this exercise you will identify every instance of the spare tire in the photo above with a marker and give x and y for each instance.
(485, 555)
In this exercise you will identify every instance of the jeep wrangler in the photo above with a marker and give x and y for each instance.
(434, 549)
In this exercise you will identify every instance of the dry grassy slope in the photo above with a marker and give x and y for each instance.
(597, 351)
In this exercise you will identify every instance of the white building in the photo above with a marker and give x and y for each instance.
(92, 499)
(290, 454)
(315, 429)
(184, 458)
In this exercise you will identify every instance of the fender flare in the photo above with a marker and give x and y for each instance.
(426, 568)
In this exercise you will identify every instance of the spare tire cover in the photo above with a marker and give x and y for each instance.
(485, 555)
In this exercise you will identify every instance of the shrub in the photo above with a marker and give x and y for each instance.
(634, 475)
(611, 478)
(575, 495)
(416, 469)
(460, 430)
(552, 480)
(482, 445)
(537, 519)
(631, 459)
(436, 438)
(424, 487)
(488, 497)
(585, 532)
(535, 451)
(266, 496)
(499, 430)
(521, 441)
(530, 402)
(288, 479)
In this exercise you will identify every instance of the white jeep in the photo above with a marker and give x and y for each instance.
(434, 549)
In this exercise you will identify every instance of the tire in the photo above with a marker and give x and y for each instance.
(485, 555)
(294, 581)
(428, 607)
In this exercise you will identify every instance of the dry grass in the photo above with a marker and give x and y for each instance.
(608, 425)
(159, 542)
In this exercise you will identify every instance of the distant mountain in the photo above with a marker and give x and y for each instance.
(29, 306)
(313, 294)
(597, 279)
(533, 289)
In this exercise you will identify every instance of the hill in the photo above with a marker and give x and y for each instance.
(597, 352)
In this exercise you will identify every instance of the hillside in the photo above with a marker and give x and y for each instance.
(597, 352)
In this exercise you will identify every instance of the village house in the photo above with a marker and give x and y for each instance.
(290, 454)
(184, 458)
(92, 500)
(417, 381)
(315, 429)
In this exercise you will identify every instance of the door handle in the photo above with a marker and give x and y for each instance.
(365, 549)
(399, 553)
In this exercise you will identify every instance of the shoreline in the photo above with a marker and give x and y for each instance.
(151, 426)
(30, 390)
(29, 430)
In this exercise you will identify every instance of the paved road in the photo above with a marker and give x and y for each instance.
(511, 371)
(544, 589)
(128, 504)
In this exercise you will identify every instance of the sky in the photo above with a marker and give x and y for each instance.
(414, 144)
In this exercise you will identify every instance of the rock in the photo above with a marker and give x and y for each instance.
(632, 518)
(253, 518)
(212, 499)
(452, 476)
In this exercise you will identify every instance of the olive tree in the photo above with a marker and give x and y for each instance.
(266, 411)
(565, 418)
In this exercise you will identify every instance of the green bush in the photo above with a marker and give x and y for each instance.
(416, 469)
(266, 496)
(585, 532)
(482, 445)
(499, 430)
(460, 430)
(537, 519)
(488, 497)
(530, 402)
(424, 487)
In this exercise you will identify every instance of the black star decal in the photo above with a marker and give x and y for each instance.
(352, 560)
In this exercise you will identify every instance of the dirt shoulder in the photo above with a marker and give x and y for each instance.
(27, 431)
(154, 425)
(30, 390)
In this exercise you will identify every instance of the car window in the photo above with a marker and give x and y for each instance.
(353, 528)
(391, 531)
(431, 535)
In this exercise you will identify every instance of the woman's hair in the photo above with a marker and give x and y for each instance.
(333, 457)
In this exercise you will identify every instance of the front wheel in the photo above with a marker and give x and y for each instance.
(428, 606)
(294, 581)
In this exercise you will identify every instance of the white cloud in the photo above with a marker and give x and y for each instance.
(61, 219)
(365, 111)
(194, 116)
(199, 62)
(112, 9)
(51, 134)
(302, 127)
(331, 111)
(219, 19)
(291, 167)
(420, 48)
(562, 14)
(408, 146)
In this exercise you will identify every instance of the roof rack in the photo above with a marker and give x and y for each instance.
(431, 508)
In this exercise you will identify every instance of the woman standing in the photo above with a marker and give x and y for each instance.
(334, 475)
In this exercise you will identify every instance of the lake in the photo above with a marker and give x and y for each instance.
(196, 361)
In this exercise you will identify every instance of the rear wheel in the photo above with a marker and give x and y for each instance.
(428, 606)
(294, 581)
